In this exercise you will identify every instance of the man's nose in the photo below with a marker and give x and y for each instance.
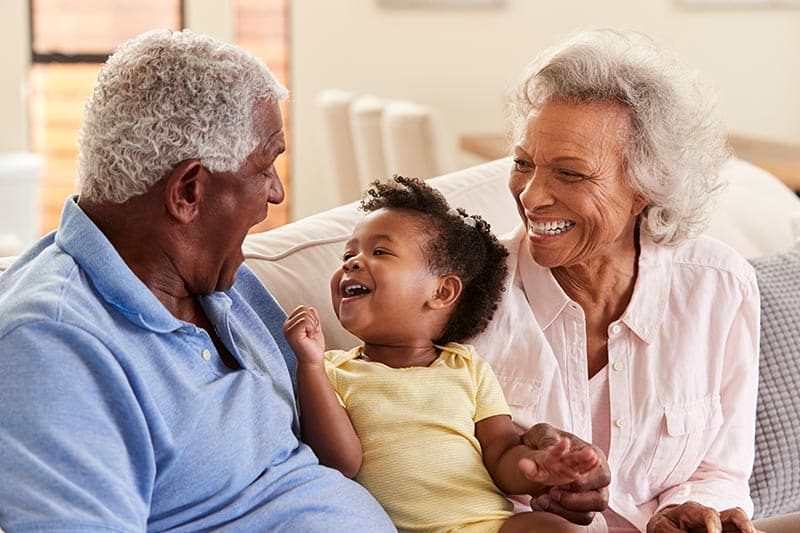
(276, 192)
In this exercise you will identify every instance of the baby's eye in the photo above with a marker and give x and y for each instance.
(347, 255)
(378, 251)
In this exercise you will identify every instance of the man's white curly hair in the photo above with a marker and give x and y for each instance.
(678, 143)
(164, 97)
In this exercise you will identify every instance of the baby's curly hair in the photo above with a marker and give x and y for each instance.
(458, 244)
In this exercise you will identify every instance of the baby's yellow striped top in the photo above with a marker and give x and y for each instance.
(421, 459)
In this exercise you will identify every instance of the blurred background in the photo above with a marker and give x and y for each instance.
(456, 59)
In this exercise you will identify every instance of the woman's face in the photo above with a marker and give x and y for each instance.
(569, 185)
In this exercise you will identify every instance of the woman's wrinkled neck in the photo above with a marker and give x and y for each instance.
(604, 280)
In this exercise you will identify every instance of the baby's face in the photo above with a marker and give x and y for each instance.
(381, 288)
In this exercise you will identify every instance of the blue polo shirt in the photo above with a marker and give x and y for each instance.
(116, 416)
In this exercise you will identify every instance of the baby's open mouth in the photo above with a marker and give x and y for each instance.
(350, 289)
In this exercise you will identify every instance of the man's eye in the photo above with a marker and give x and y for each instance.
(522, 165)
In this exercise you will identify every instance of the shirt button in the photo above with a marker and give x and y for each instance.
(615, 329)
(619, 422)
(206, 354)
(619, 365)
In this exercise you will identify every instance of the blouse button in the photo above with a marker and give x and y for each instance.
(619, 422)
(619, 365)
(615, 329)
(206, 354)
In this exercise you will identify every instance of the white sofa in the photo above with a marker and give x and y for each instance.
(756, 214)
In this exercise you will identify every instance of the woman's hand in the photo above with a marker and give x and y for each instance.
(304, 334)
(581, 499)
(692, 516)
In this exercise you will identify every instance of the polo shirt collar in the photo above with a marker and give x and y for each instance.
(112, 278)
(646, 309)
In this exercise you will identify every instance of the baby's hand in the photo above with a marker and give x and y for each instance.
(302, 330)
(558, 465)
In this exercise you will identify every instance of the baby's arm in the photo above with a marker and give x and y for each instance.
(324, 423)
(517, 469)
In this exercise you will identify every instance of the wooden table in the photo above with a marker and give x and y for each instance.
(780, 159)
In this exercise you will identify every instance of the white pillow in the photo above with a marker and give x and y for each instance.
(296, 261)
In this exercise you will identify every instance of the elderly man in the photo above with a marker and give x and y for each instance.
(144, 379)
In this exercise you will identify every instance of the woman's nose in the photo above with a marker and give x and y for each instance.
(536, 193)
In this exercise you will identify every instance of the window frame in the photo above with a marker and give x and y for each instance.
(64, 58)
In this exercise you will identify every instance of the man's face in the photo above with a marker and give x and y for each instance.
(236, 201)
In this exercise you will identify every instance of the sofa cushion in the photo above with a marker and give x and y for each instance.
(296, 261)
(775, 483)
(755, 213)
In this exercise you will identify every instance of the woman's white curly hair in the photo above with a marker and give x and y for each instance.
(678, 143)
(164, 97)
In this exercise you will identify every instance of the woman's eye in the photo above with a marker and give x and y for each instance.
(569, 175)
(378, 251)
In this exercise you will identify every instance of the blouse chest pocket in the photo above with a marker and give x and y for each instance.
(687, 433)
(522, 396)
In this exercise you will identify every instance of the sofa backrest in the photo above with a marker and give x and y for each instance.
(297, 260)
(756, 214)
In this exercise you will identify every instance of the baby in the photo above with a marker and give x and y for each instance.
(417, 418)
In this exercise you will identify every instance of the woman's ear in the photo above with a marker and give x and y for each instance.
(183, 189)
(639, 203)
(447, 292)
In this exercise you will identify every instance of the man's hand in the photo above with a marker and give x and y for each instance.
(694, 517)
(304, 334)
(581, 499)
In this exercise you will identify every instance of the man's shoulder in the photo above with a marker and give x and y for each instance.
(38, 286)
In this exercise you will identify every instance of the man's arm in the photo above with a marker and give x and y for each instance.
(324, 423)
(74, 445)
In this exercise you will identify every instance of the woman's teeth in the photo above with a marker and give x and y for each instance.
(550, 228)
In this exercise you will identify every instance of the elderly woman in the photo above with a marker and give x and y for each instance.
(145, 383)
(619, 323)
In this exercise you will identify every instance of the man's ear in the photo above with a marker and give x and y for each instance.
(447, 292)
(183, 190)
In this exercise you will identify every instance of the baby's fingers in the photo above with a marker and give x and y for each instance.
(530, 469)
(582, 460)
(305, 318)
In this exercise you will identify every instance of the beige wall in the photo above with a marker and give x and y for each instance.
(462, 61)
(14, 61)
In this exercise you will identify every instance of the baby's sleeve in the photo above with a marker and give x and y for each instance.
(489, 398)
